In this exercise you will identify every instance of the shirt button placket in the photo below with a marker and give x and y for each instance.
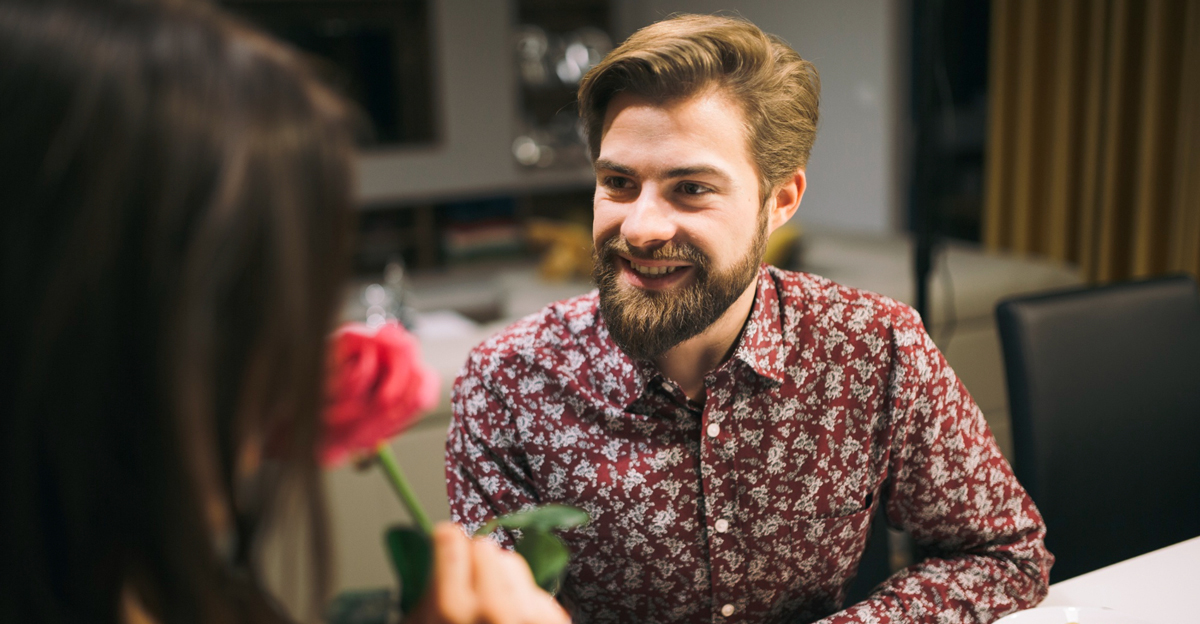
(720, 492)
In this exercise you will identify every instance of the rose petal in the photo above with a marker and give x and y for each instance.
(377, 388)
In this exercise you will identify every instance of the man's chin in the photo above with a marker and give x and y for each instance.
(643, 346)
(631, 294)
(636, 352)
(646, 326)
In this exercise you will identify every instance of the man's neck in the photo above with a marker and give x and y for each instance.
(689, 361)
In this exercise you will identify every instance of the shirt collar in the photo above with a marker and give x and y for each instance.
(761, 345)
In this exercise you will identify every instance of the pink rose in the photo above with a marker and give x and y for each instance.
(377, 388)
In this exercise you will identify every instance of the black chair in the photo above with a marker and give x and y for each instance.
(1104, 393)
(876, 564)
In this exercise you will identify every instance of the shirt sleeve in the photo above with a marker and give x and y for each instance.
(955, 494)
(486, 471)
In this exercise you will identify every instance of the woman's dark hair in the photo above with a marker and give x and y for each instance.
(174, 221)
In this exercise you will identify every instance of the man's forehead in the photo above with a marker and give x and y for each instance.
(712, 95)
(702, 134)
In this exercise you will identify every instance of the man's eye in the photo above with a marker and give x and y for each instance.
(691, 188)
(618, 183)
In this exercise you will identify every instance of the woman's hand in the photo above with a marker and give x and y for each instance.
(476, 582)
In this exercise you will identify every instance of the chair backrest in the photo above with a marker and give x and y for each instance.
(876, 563)
(1104, 393)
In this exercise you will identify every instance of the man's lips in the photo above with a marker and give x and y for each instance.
(652, 274)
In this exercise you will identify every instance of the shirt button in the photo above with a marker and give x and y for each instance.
(722, 525)
(666, 386)
(727, 610)
(714, 430)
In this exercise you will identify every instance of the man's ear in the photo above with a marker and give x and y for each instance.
(787, 198)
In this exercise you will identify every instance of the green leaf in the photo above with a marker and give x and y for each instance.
(546, 555)
(544, 518)
(412, 558)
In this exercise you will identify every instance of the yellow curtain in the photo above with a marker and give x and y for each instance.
(1094, 134)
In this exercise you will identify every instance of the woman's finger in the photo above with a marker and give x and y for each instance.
(506, 590)
(450, 596)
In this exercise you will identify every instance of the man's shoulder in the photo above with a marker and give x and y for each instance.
(812, 299)
(561, 325)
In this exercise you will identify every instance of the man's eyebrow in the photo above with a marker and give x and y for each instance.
(678, 172)
(684, 172)
(612, 166)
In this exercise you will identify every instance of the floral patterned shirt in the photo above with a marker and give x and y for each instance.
(754, 505)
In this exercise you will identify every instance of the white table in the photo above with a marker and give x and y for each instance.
(1160, 586)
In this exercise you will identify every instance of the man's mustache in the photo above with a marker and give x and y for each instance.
(665, 253)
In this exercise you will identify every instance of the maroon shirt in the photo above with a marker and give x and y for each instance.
(755, 505)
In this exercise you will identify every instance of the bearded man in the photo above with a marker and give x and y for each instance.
(730, 426)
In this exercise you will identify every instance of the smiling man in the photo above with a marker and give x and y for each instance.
(730, 426)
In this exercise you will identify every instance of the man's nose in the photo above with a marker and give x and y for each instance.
(650, 221)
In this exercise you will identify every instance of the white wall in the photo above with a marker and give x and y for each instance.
(854, 181)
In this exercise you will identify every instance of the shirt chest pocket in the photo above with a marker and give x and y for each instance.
(826, 552)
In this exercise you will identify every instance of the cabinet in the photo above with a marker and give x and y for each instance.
(414, 197)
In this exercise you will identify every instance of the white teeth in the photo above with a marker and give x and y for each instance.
(649, 270)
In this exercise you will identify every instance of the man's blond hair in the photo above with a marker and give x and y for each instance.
(686, 55)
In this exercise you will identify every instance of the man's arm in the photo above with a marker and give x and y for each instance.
(486, 473)
(953, 492)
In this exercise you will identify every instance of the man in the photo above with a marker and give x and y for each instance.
(732, 427)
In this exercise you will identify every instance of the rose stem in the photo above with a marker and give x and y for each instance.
(403, 489)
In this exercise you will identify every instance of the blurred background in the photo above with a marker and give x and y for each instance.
(968, 151)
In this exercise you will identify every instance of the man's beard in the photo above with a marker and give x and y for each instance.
(648, 323)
